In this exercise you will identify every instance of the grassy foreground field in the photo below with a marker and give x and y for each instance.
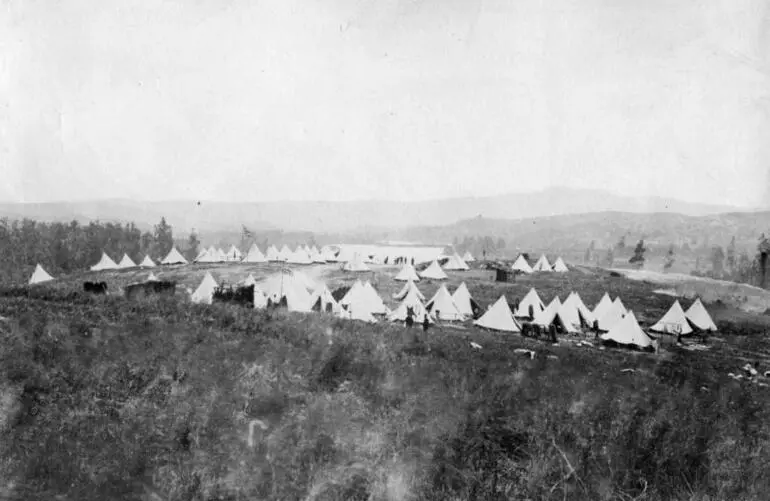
(105, 399)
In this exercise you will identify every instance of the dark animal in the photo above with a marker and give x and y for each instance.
(242, 296)
(136, 291)
(95, 287)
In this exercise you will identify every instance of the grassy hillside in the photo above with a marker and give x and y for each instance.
(104, 399)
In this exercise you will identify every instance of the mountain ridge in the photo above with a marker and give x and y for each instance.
(330, 216)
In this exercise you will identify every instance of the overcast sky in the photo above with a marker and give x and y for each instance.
(390, 99)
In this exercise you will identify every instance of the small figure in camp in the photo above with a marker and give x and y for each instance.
(552, 332)
(409, 319)
(425, 323)
(531, 312)
(596, 329)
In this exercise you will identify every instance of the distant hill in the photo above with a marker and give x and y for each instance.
(575, 232)
(328, 217)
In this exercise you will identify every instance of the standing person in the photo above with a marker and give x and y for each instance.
(552, 331)
(409, 319)
(596, 329)
(425, 323)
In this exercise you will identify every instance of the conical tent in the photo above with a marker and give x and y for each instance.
(559, 266)
(323, 300)
(585, 313)
(250, 280)
(374, 301)
(206, 256)
(611, 316)
(699, 317)
(352, 292)
(126, 262)
(233, 254)
(498, 317)
(254, 255)
(316, 256)
(39, 276)
(434, 272)
(299, 257)
(456, 263)
(542, 264)
(617, 300)
(468, 257)
(443, 306)
(204, 294)
(328, 254)
(521, 265)
(356, 264)
(464, 302)
(407, 273)
(546, 317)
(174, 257)
(290, 286)
(221, 255)
(572, 313)
(674, 321)
(531, 299)
(628, 332)
(152, 278)
(272, 254)
(602, 306)
(411, 301)
(105, 263)
(410, 286)
(147, 262)
(284, 253)
(260, 298)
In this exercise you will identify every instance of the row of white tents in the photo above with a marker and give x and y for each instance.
(611, 317)
(542, 264)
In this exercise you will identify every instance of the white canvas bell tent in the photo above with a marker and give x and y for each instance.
(152, 278)
(585, 312)
(456, 263)
(254, 255)
(602, 306)
(410, 286)
(285, 253)
(288, 286)
(434, 272)
(443, 306)
(611, 316)
(328, 254)
(373, 300)
(126, 262)
(530, 299)
(324, 301)
(628, 332)
(572, 314)
(351, 293)
(559, 266)
(407, 273)
(221, 255)
(411, 301)
(39, 276)
(299, 256)
(468, 257)
(617, 300)
(105, 263)
(356, 264)
(699, 317)
(546, 317)
(498, 318)
(204, 294)
(260, 298)
(272, 254)
(542, 264)
(250, 280)
(174, 257)
(147, 262)
(464, 302)
(206, 256)
(233, 255)
(674, 321)
(521, 265)
(316, 256)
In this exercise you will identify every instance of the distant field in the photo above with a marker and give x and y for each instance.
(105, 399)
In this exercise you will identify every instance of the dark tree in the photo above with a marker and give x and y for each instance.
(638, 258)
(717, 260)
(193, 244)
(670, 258)
(731, 261)
(621, 243)
(164, 238)
(609, 259)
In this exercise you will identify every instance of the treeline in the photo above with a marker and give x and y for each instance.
(66, 247)
(480, 246)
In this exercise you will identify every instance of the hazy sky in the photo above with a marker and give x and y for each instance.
(392, 99)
